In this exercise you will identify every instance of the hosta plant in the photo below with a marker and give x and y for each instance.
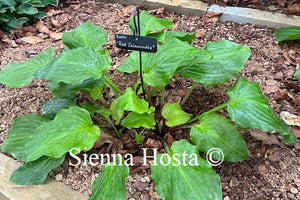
(71, 126)
(16, 12)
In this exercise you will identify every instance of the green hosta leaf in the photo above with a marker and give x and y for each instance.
(150, 23)
(185, 182)
(250, 109)
(71, 128)
(139, 138)
(297, 74)
(96, 93)
(98, 109)
(10, 3)
(73, 66)
(40, 14)
(136, 120)
(13, 23)
(51, 107)
(116, 113)
(86, 34)
(130, 102)
(166, 36)
(216, 131)
(20, 74)
(22, 20)
(21, 132)
(291, 33)
(27, 9)
(35, 172)
(163, 64)
(227, 60)
(111, 183)
(4, 18)
(174, 115)
(63, 90)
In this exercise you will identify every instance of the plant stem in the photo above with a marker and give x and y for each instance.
(152, 93)
(162, 98)
(189, 93)
(110, 84)
(208, 112)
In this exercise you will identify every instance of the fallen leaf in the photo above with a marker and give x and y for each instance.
(175, 27)
(296, 130)
(12, 43)
(290, 119)
(55, 36)
(54, 12)
(32, 39)
(266, 138)
(54, 22)
(289, 56)
(41, 27)
(75, 7)
(211, 17)
(271, 89)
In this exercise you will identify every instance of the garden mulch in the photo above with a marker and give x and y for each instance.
(273, 169)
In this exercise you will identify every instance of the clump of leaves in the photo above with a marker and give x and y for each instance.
(291, 33)
(42, 141)
(16, 12)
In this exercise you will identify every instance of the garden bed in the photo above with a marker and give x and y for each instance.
(272, 171)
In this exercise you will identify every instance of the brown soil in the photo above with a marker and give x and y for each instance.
(289, 7)
(273, 169)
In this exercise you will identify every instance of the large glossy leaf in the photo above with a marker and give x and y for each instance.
(130, 102)
(182, 179)
(158, 68)
(86, 34)
(166, 36)
(174, 115)
(20, 74)
(150, 23)
(216, 131)
(73, 66)
(63, 90)
(105, 112)
(27, 9)
(291, 33)
(111, 183)
(297, 74)
(21, 132)
(71, 128)
(35, 172)
(51, 107)
(136, 120)
(228, 58)
(250, 109)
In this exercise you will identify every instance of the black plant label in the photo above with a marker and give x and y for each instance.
(137, 43)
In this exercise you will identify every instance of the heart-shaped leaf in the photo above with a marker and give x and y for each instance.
(35, 172)
(21, 132)
(174, 115)
(71, 128)
(136, 120)
(250, 109)
(73, 66)
(111, 183)
(186, 176)
(216, 131)
(149, 23)
(130, 102)
(20, 74)
(228, 58)
(86, 34)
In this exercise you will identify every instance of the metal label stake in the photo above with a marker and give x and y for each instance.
(137, 42)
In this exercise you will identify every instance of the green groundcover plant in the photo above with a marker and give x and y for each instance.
(42, 141)
(291, 33)
(16, 12)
